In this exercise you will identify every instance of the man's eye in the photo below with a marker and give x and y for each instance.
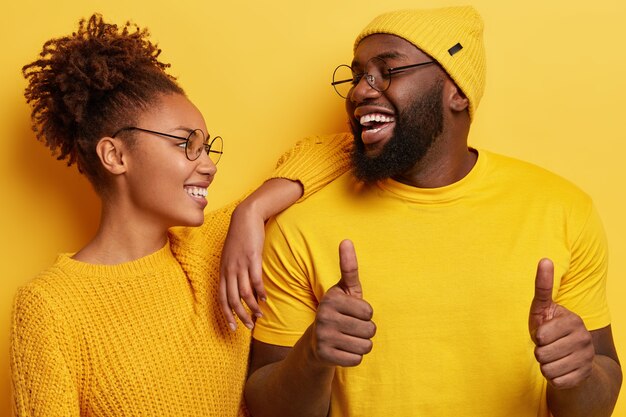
(182, 144)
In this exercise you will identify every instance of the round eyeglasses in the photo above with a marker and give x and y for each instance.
(194, 143)
(377, 74)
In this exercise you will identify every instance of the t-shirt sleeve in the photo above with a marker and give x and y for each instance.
(41, 380)
(583, 287)
(291, 302)
(315, 161)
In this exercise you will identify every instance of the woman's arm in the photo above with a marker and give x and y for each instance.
(42, 382)
(307, 167)
(240, 270)
(315, 161)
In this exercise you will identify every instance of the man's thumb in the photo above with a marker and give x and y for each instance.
(542, 306)
(349, 281)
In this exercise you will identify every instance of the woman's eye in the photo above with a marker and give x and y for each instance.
(182, 145)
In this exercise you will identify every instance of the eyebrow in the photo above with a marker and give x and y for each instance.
(383, 56)
(183, 128)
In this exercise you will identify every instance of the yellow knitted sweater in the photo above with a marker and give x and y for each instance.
(144, 338)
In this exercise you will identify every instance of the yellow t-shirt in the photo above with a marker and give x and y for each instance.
(450, 275)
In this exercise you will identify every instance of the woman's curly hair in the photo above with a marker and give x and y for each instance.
(90, 84)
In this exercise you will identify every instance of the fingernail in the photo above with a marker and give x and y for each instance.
(263, 299)
(232, 326)
(258, 315)
(250, 326)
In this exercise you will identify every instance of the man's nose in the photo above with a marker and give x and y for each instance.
(363, 90)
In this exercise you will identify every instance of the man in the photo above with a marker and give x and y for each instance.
(469, 319)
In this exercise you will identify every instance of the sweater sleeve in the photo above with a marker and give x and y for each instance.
(315, 161)
(41, 380)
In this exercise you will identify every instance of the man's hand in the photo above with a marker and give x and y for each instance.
(564, 347)
(343, 324)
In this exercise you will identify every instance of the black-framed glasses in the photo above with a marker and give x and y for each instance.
(195, 142)
(377, 74)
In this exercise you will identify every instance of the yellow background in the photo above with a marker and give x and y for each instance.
(260, 73)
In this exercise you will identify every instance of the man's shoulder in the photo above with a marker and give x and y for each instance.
(341, 190)
(530, 178)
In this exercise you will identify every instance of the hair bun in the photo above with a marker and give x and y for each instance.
(83, 76)
(96, 59)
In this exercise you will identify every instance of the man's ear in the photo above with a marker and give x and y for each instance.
(111, 152)
(457, 99)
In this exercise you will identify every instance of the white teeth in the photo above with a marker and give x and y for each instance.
(375, 117)
(196, 191)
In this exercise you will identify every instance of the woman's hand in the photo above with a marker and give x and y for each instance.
(240, 268)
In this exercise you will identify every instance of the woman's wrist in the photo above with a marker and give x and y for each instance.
(270, 198)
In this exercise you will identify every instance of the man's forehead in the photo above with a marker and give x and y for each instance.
(386, 47)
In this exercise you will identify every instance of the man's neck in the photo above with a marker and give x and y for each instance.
(441, 166)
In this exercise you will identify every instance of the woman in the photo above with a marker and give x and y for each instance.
(130, 324)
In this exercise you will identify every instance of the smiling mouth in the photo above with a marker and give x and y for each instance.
(196, 191)
(373, 122)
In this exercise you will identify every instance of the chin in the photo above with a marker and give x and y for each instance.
(190, 221)
(197, 222)
(372, 151)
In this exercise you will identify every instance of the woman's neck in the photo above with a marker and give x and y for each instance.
(122, 238)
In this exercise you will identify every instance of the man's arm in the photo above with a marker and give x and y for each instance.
(582, 368)
(297, 381)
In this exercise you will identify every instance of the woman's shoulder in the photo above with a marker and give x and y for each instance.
(50, 286)
(65, 287)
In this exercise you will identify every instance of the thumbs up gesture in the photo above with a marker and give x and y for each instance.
(564, 347)
(343, 323)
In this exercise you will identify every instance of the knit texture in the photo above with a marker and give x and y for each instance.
(453, 36)
(147, 337)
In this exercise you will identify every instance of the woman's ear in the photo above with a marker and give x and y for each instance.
(111, 152)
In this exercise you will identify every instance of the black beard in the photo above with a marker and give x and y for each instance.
(417, 128)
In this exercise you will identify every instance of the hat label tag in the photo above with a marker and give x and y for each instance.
(456, 48)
